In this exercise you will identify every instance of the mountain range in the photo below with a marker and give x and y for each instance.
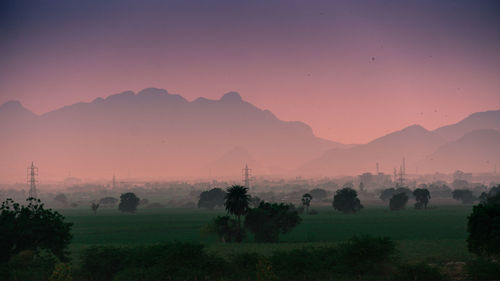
(158, 135)
(152, 134)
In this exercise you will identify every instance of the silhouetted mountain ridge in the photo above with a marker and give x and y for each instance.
(156, 134)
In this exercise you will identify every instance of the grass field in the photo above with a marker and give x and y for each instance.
(436, 234)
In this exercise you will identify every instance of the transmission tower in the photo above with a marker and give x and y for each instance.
(31, 178)
(246, 176)
(402, 171)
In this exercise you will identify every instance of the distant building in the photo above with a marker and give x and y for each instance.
(371, 181)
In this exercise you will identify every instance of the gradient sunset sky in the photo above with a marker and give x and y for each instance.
(352, 70)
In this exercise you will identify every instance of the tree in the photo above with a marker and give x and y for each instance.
(94, 207)
(128, 202)
(61, 198)
(387, 194)
(398, 202)
(268, 221)
(422, 196)
(236, 203)
(463, 195)
(32, 227)
(404, 190)
(318, 193)
(108, 202)
(211, 198)
(346, 200)
(226, 228)
(306, 201)
(484, 229)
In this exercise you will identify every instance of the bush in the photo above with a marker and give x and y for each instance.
(268, 221)
(484, 230)
(398, 202)
(418, 272)
(346, 200)
(128, 202)
(32, 227)
(212, 198)
(30, 265)
(173, 261)
(483, 269)
(226, 228)
(363, 255)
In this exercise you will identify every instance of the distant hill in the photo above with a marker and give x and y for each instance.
(150, 134)
(476, 121)
(413, 143)
(477, 151)
(425, 151)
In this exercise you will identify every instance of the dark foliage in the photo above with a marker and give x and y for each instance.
(108, 201)
(422, 196)
(404, 190)
(464, 195)
(398, 202)
(484, 230)
(128, 202)
(306, 201)
(346, 200)
(29, 265)
(319, 193)
(387, 194)
(174, 261)
(212, 198)
(236, 203)
(269, 220)
(227, 229)
(483, 269)
(418, 272)
(32, 227)
(362, 255)
(94, 207)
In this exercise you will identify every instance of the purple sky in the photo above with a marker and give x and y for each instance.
(352, 70)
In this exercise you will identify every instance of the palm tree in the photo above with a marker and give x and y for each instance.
(236, 203)
(306, 201)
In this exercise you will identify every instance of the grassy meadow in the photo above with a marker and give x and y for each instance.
(434, 235)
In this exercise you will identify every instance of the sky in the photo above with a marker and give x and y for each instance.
(352, 70)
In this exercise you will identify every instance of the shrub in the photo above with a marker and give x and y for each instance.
(211, 198)
(483, 269)
(484, 230)
(269, 220)
(418, 272)
(128, 202)
(398, 202)
(346, 200)
(362, 255)
(32, 227)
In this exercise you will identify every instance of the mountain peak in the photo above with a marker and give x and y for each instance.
(14, 107)
(415, 128)
(152, 92)
(231, 97)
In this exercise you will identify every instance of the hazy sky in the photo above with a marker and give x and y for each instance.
(352, 70)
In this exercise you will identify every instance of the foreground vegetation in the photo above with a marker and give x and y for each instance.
(377, 243)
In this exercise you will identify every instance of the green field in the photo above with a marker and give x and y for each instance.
(436, 234)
